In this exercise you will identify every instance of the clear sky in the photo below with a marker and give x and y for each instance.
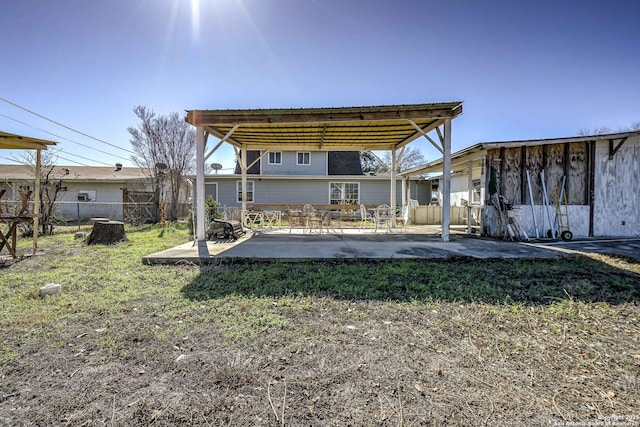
(524, 69)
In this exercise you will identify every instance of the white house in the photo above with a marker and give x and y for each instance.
(87, 191)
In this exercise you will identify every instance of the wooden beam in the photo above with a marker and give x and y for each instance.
(613, 150)
(218, 117)
(423, 133)
(222, 140)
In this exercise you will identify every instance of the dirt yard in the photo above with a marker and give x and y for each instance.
(545, 343)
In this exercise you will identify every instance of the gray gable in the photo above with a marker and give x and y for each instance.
(339, 162)
(344, 163)
(252, 155)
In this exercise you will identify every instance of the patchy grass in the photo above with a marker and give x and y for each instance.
(456, 342)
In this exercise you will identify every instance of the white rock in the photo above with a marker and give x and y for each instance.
(50, 289)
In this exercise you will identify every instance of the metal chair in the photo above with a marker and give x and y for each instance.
(365, 217)
(312, 218)
(383, 217)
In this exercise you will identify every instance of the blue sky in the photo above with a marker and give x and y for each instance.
(523, 69)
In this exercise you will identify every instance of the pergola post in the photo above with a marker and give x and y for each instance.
(392, 203)
(36, 202)
(243, 168)
(470, 195)
(446, 180)
(200, 187)
(405, 197)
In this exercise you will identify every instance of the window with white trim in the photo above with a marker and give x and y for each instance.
(249, 191)
(275, 157)
(304, 158)
(476, 186)
(347, 193)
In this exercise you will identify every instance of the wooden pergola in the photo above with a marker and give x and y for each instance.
(9, 141)
(385, 128)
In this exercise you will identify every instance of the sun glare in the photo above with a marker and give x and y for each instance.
(195, 20)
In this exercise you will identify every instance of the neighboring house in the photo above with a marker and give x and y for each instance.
(301, 177)
(602, 182)
(87, 192)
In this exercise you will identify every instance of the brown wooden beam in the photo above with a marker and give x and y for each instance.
(209, 117)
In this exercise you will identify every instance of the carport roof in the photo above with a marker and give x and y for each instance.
(10, 141)
(344, 128)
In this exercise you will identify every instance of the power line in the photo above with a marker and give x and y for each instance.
(72, 161)
(62, 137)
(86, 158)
(65, 126)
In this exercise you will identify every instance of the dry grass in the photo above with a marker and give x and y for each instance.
(458, 342)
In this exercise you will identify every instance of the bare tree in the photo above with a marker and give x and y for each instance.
(165, 146)
(595, 131)
(411, 157)
(635, 125)
(371, 162)
(50, 187)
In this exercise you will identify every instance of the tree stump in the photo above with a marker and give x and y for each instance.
(107, 232)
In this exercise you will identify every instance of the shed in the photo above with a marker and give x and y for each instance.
(601, 175)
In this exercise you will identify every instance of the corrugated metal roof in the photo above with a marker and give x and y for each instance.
(330, 129)
(10, 141)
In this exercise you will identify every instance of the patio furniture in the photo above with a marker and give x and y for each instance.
(254, 219)
(313, 218)
(295, 218)
(365, 217)
(383, 217)
(272, 218)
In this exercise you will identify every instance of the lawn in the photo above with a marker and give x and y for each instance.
(395, 343)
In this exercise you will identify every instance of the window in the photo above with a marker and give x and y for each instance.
(86, 195)
(275, 157)
(249, 191)
(304, 158)
(347, 193)
(475, 191)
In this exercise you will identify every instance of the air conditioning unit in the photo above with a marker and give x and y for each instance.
(83, 197)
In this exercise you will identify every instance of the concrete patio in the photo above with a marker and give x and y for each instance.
(414, 242)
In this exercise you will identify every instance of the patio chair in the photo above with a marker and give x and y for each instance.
(383, 217)
(312, 218)
(365, 217)
(295, 218)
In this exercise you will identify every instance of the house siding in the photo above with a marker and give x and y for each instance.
(301, 191)
(289, 166)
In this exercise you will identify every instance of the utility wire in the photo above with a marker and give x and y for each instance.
(62, 137)
(65, 126)
(72, 161)
(86, 158)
